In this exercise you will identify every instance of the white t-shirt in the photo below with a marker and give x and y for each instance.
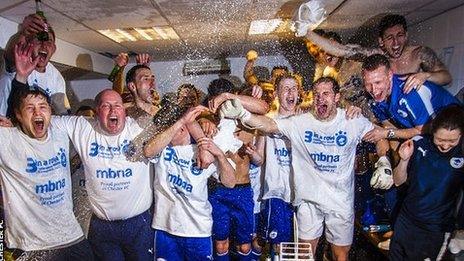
(36, 186)
(181, 193)
(323, 155)
(82, 209)
(225, 138)
(278, 168)
(51, 81)
(117, 188)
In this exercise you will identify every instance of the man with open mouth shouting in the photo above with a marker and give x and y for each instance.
(44, 75)
(35, 175)
(323, 153)
(119, 191)
(415, 63)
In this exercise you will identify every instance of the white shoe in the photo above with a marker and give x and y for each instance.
(384, 245)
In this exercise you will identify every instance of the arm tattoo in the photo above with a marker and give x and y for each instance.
(429, 60)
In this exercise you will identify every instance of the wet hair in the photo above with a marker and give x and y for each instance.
(190, 100)
(219, 86)
(389, 21)
(287, 76)
(449, 118)
(375, 61)
(190, 87)
(262, 73)
(280, 67)
(328, 79)
(130, 76)
(18, 95)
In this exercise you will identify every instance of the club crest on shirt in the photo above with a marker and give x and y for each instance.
(273, 234)
(195, 169)
(457, 163)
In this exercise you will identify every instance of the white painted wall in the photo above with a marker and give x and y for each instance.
(441, 32)
(169, 76)
(79, 92)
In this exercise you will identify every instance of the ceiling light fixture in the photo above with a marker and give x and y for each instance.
(166, 33)
(143, 34)
(140, 34)
(127, 35)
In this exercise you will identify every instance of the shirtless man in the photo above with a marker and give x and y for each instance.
(416, 63)
(233, 207)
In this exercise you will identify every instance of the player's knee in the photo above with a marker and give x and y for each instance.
(341, 257)
(340, 253)
(222, 246)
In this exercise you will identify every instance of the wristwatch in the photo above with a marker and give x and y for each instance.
(390, 134)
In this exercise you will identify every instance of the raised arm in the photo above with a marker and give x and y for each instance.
(334, 48)
(400, 173)
(225, 170)
(205, 158)
(433, 70)
(248, 73)
(121, 61)
(252, 104)
(431, 64)
(156, 144)
(233, 109)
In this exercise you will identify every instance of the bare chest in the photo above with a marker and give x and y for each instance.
(406, 64)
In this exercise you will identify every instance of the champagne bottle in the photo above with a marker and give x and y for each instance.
(116, 69)
(114, 73)
(43, 35)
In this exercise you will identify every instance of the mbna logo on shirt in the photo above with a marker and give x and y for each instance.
(457, 163)
(179, 184)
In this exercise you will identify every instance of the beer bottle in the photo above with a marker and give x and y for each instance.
(114, 73)
(43, 35)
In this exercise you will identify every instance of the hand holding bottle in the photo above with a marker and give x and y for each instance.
(120, 62)
(33, 24)
(122, 59)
